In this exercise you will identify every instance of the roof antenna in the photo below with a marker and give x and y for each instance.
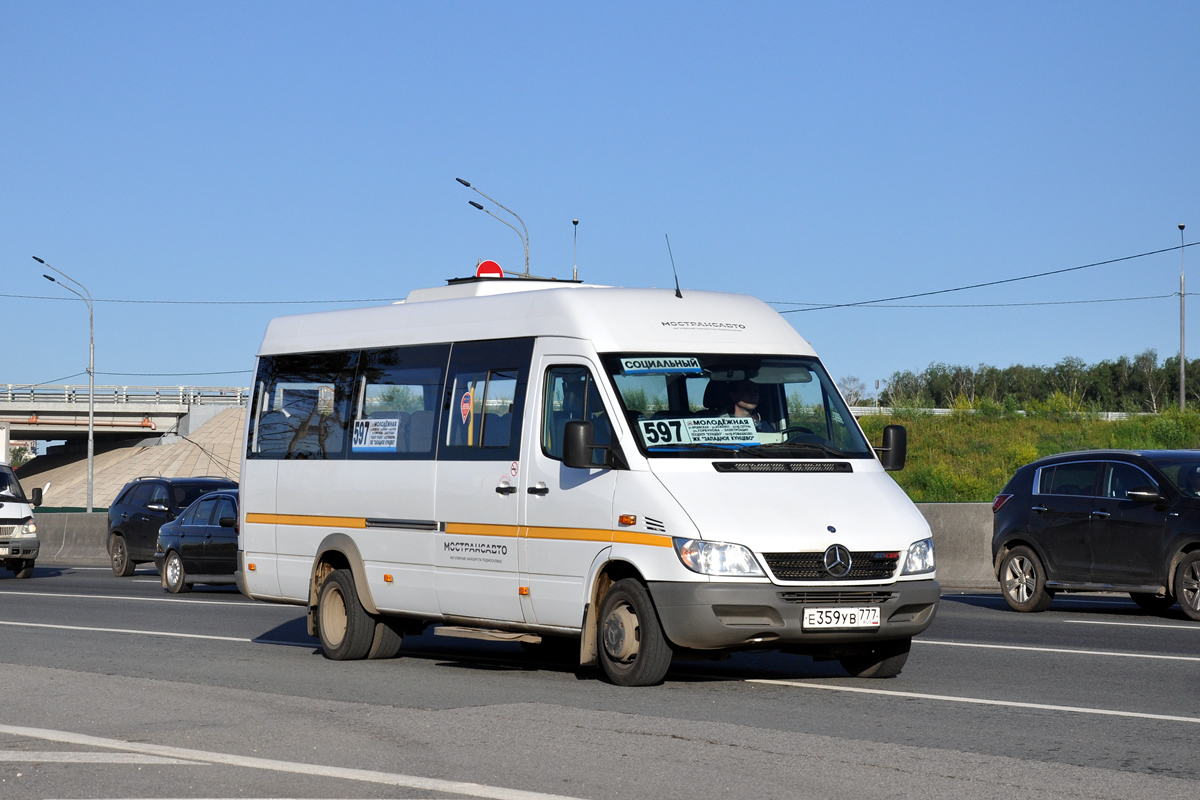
(673, 272)
(575, 267)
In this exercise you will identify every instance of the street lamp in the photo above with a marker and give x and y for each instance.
(91, 451)
(524, 237)
(1182, 385)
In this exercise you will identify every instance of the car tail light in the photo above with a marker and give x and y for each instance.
(999, 502)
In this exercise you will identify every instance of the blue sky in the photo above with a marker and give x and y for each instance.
(806, 153)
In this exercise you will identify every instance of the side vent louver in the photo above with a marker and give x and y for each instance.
(654, 525)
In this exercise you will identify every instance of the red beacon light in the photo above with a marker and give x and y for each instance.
(488, 269)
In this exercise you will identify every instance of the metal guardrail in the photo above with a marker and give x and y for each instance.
(864, 411)
(119, 395)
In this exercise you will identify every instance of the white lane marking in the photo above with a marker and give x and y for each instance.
(125, 630)
(1056, 650)
(1104, 712)
(1059, 599)
(1194, 628)
(242, 603)
(58, 757)
(296, 768)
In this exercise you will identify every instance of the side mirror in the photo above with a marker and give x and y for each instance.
(577, 444)
(894, 452)
(36, 498)
(227, 522)
(1144, 494)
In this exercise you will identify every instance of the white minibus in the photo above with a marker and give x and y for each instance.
(630, 472)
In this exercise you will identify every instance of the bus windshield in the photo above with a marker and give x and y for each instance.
(740, 405)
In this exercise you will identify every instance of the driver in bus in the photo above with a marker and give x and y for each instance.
(743, 402)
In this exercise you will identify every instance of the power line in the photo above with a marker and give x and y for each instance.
(990, 283)
(175, 374)
(994, 305)
(209, 302)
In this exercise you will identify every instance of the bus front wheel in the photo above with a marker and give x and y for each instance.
(345, 627)
(633, 650)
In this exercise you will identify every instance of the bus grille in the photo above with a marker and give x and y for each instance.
(846, 598)
(811, 566)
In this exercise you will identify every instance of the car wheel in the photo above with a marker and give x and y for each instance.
(346, 629)
(1187, 585)
(122, 566)
(1023, 581)
(1152, 602)
(885, 660)
(174, 578)
(25, 570)
(633, 650)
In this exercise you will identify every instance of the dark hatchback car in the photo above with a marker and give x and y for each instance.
(1101, 521)
(201, 545)
(142, 507)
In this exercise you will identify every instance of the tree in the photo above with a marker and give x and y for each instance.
(854, 390)
(18, 456)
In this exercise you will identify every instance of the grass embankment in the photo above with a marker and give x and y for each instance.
(967, 458)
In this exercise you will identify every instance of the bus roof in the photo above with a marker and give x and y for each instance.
(614, 319)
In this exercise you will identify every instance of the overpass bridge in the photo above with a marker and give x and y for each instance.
(120, 412)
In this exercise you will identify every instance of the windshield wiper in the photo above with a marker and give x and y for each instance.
(731, 452)
(823, 448)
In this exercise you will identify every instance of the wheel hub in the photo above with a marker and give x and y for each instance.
(1019, 580)
(333, 617)
(621, 634)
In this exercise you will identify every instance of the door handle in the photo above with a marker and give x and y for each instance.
(505, 488)
(1101, 514)
(541, 489)
(1039, 509)
(124, 515)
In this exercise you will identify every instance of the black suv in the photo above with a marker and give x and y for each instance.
(1101, 521)
(141, 508)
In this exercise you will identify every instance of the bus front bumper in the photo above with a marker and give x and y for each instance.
(723, 616)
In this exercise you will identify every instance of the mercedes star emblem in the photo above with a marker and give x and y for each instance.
(837, 561)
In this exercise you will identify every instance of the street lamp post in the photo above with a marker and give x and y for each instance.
(1182, 384)
(524, 237)
(91, 449)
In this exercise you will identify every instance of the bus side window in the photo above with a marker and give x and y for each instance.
(485, 399)
(396, 405)
(571, 394)
(305, 406)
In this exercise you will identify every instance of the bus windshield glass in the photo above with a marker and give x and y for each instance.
(743, 405)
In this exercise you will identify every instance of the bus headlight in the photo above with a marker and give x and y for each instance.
(28, 528)
(717, 558)
(920, 558)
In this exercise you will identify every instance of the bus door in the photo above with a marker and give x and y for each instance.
(478, 464)
(568, 518)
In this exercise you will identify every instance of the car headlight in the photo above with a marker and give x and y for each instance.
(717, 558)
(28, 528)
(920, 558)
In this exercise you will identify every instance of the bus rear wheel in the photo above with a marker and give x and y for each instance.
(344, 626)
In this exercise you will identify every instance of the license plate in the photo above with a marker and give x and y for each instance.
(843, 617)
(3, 551)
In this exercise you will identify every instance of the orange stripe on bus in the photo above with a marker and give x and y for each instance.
(306, 519)
(631, 537)
(474, 529)
(571, 534)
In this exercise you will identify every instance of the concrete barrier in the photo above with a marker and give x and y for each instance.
(78, 539)
(962, 541)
